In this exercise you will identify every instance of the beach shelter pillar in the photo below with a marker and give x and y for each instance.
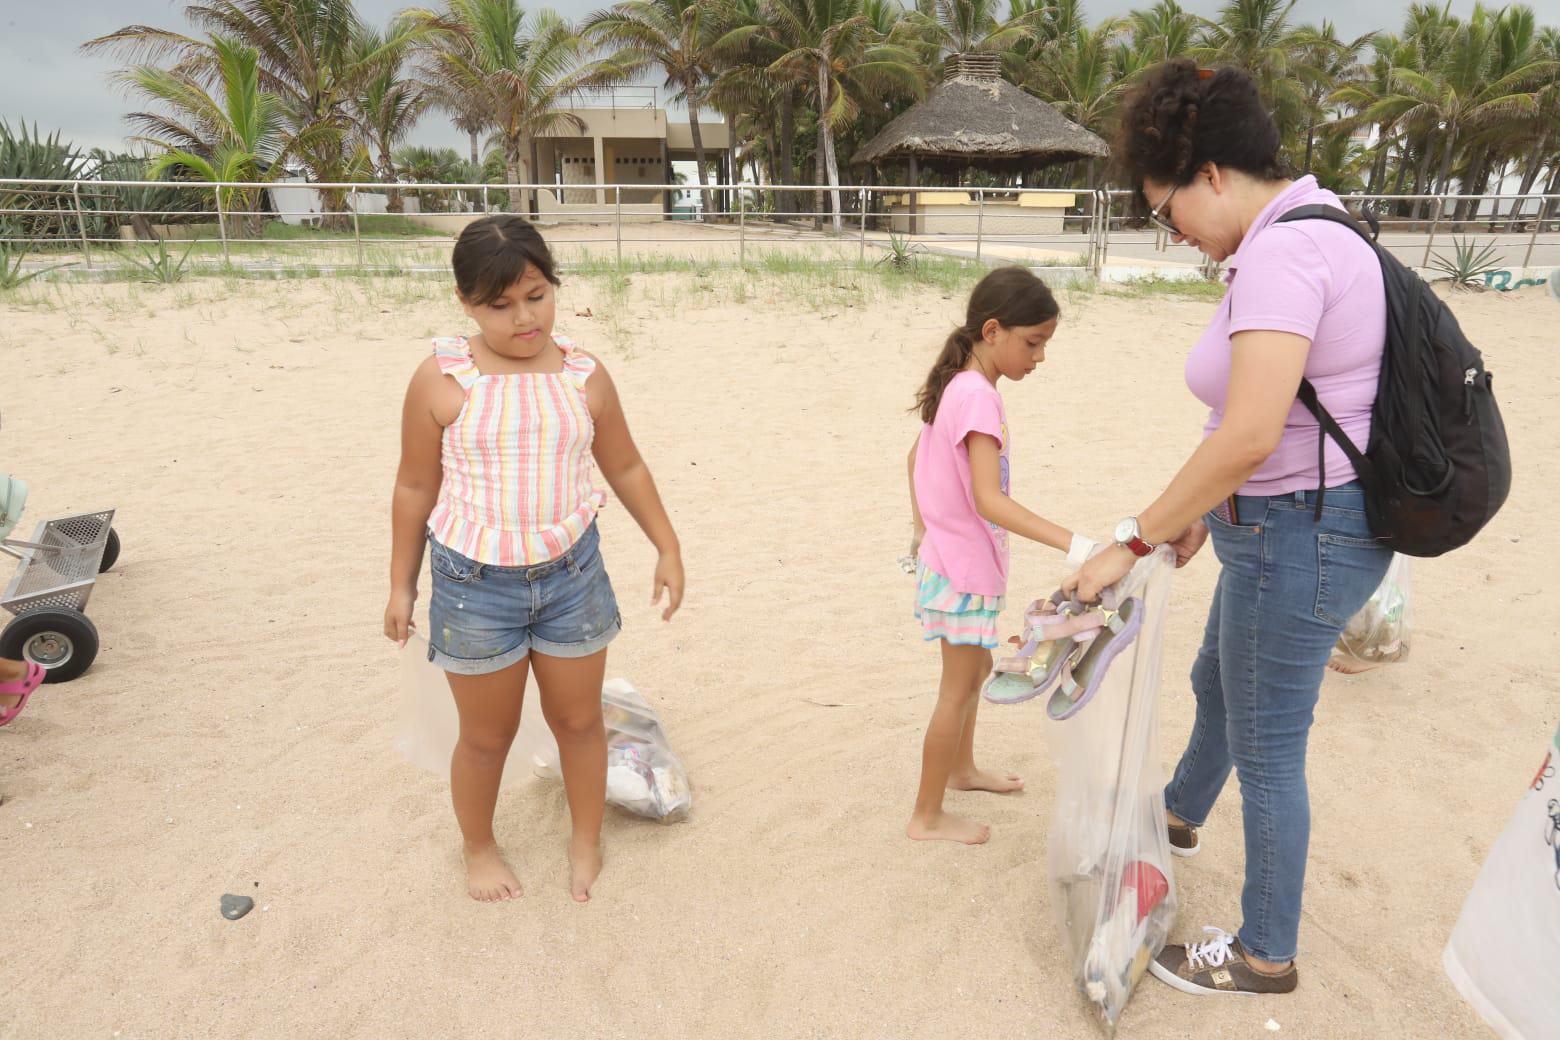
(915, 198)
(601, 169)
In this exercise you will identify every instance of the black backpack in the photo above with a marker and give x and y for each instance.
(1437, 467)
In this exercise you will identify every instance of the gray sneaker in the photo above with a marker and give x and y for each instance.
(1218, 965)
(1183, 840)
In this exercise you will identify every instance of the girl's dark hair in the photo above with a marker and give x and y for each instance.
(1014, 297)
(1182, 116)
(493, 253)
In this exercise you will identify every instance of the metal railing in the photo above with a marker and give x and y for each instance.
(249, 224)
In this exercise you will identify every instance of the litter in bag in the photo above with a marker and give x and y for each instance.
(1111, 884)
(1380, 633)
(644, 777)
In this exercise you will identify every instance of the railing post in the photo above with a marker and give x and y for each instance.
(980, 219)
(81, 222)
(618, 195)
(861, 250)
(1440, 204)
(227, 261)
(741, 227)
(357, 235)
(1538, 222)
(485, 201)
(1099, 265)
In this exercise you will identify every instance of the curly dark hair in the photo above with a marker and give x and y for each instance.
(1181, 117)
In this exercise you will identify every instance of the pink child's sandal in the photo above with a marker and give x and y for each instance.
(22, 688)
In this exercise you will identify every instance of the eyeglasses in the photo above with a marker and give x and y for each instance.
(1163, 222)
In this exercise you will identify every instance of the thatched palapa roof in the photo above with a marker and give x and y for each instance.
(977, 118)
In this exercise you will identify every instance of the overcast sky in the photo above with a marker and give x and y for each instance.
(45, 80)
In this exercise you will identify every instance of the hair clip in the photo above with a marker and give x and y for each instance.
(1205, 73)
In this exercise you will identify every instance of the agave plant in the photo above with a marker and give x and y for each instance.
(11, 274)
(161, 266)
(901, 252)
(1468, 264)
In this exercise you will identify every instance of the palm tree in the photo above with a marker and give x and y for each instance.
(235, 136)
(1460, 95)
(676, 36)
(1326, 63)
(832, 52)
(388, 104)
(1255, 35)
(973, 27)
(306, 59)
(519, 69)
(1080, 75)
(1164, 32)
(1538, 130)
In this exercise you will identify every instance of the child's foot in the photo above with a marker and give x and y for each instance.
(488, 877)
(978, 780)
(948, 827)
(584, 867)
(1349, 665)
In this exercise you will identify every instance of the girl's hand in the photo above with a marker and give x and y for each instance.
(668, 579)
(1102, 570)
(398, 616)
(1188, 544)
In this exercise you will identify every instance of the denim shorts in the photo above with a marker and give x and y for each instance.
(483, 618)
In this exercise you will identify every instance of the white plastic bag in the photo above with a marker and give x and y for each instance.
(644, 777)
(1111, 885)
(1504, 953)
(1382, 630)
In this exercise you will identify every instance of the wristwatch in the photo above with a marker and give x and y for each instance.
(1129, 534)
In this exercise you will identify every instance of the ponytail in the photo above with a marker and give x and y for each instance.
(955, 355)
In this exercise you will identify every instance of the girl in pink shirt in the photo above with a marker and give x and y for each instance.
(959, 501)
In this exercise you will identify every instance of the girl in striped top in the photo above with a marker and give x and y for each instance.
(498, 435)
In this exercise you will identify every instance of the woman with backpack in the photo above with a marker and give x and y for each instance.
(1306, 300)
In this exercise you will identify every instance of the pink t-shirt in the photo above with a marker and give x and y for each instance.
(967, 550)
(1314, 279)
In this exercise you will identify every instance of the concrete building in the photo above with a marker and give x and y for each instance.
(627, 140)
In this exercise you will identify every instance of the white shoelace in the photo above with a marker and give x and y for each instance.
(1212, 952)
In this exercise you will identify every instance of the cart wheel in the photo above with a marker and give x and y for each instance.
(65, 642)
(110, 551)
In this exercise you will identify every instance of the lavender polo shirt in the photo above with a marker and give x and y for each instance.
(1314, 279)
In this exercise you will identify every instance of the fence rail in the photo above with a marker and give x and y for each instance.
(410, 225)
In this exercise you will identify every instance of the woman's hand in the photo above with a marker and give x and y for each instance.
(668, 579)
(398, 616)
(1189, 543)
(1102, 570)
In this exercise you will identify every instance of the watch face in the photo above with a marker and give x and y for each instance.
(1127, 530)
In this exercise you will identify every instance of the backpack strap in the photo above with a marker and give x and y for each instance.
(1307, 392)
(1330, 428)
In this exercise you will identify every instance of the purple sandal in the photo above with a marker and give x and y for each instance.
(1065, 627)
(1083, 679)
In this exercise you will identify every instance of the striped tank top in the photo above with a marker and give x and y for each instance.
(518, 485)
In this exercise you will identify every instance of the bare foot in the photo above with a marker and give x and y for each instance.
(1349, 665)
(488, 877)
(948, 827)
(584, 867)
(999, 783)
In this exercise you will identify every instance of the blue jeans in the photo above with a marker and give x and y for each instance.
(483, 618)
(1287, 588)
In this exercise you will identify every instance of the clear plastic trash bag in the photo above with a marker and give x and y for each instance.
(1505, 947)
(644, 777)
(1382, 630)
(1112, 888)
